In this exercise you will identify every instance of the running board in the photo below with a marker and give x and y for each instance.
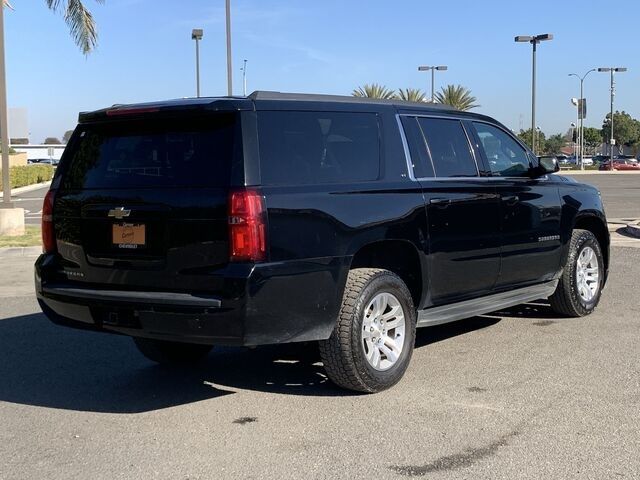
(479, 306)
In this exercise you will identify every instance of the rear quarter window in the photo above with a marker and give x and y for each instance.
(304, 148)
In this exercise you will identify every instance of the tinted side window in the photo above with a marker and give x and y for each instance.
(449, 147)
(506, 157)
(302, 148)
(422, 166)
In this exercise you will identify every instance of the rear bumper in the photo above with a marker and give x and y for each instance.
(271, 303)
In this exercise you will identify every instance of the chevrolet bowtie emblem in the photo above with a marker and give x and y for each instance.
(119, 213)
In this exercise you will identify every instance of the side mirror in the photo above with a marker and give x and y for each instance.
(546, 165)
(549, 164)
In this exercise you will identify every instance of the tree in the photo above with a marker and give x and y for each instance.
(411, 95)
(374, 90)
(592, 138)
(554, 143)
(525, 136)
(81, 24)
(457, 96)
(626, 130)
(67, 136)
(52, 141)
(19, 141)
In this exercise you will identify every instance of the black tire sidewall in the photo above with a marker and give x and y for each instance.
(585, 239)
(389, 283)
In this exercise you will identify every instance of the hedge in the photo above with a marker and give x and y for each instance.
(23, 175)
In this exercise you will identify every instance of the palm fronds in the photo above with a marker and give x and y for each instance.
(374, 91)
(457, 96)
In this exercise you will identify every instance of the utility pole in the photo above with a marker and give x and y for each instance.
(229, 72)
(612, 140)
(244, 77)
(4, 120)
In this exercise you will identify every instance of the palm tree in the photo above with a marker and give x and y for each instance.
(81, 24)
(411, 95)
(374, 91)
(457, 96)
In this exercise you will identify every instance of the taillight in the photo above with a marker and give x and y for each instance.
(247, 226)
(48, 234)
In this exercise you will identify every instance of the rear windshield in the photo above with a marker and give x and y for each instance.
(152, 153)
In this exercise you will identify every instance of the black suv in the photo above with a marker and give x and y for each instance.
(290, 218)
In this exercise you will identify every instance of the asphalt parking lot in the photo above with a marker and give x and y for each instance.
(514, 394)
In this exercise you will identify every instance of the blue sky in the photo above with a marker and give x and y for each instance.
(145, 52)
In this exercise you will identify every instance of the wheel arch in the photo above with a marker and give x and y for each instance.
(598, 226)
(398, 256)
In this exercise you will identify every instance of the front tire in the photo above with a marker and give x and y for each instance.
(171, 353)
(371, 345)
(579, 289)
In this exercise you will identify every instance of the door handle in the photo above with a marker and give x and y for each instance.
(511, 199)
(440, 202)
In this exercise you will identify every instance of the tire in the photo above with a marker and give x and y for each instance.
(574, 297)
(171, 353)
(372, 297)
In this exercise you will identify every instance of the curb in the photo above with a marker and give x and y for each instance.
(632, 230)
(12, 252)
(28, 188)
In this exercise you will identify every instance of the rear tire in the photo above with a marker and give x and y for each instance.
(579, 289)
(371, 345)
(171, 353)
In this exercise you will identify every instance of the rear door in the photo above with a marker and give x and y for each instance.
(530, 210)
(143, 203)
(462, 209)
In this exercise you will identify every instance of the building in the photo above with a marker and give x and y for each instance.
(36, 153)
(18, 124)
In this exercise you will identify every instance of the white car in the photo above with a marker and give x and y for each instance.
(587, 161)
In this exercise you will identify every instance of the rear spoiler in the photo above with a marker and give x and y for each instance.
(168, 108)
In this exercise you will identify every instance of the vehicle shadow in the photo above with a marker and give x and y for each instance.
(539, 309)
(50, 366)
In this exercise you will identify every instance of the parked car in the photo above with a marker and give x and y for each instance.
(624, 163)
(598, 159)
(587, 161)
(562, 159)
(282, 218)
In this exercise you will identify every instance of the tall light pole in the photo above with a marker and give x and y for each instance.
(582, 113)
(424, 68)
(196, 34)
(534, 41)
(244, 77)
(229, 72)
(4, 121)
(576, 103)
(613, 92)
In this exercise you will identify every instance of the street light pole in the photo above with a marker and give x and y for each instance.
(534, 41)
(582, 114)
(613, 92)
(4, 121)
(196, 34)
(229, 72)
(244, 78)
(424, 68)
